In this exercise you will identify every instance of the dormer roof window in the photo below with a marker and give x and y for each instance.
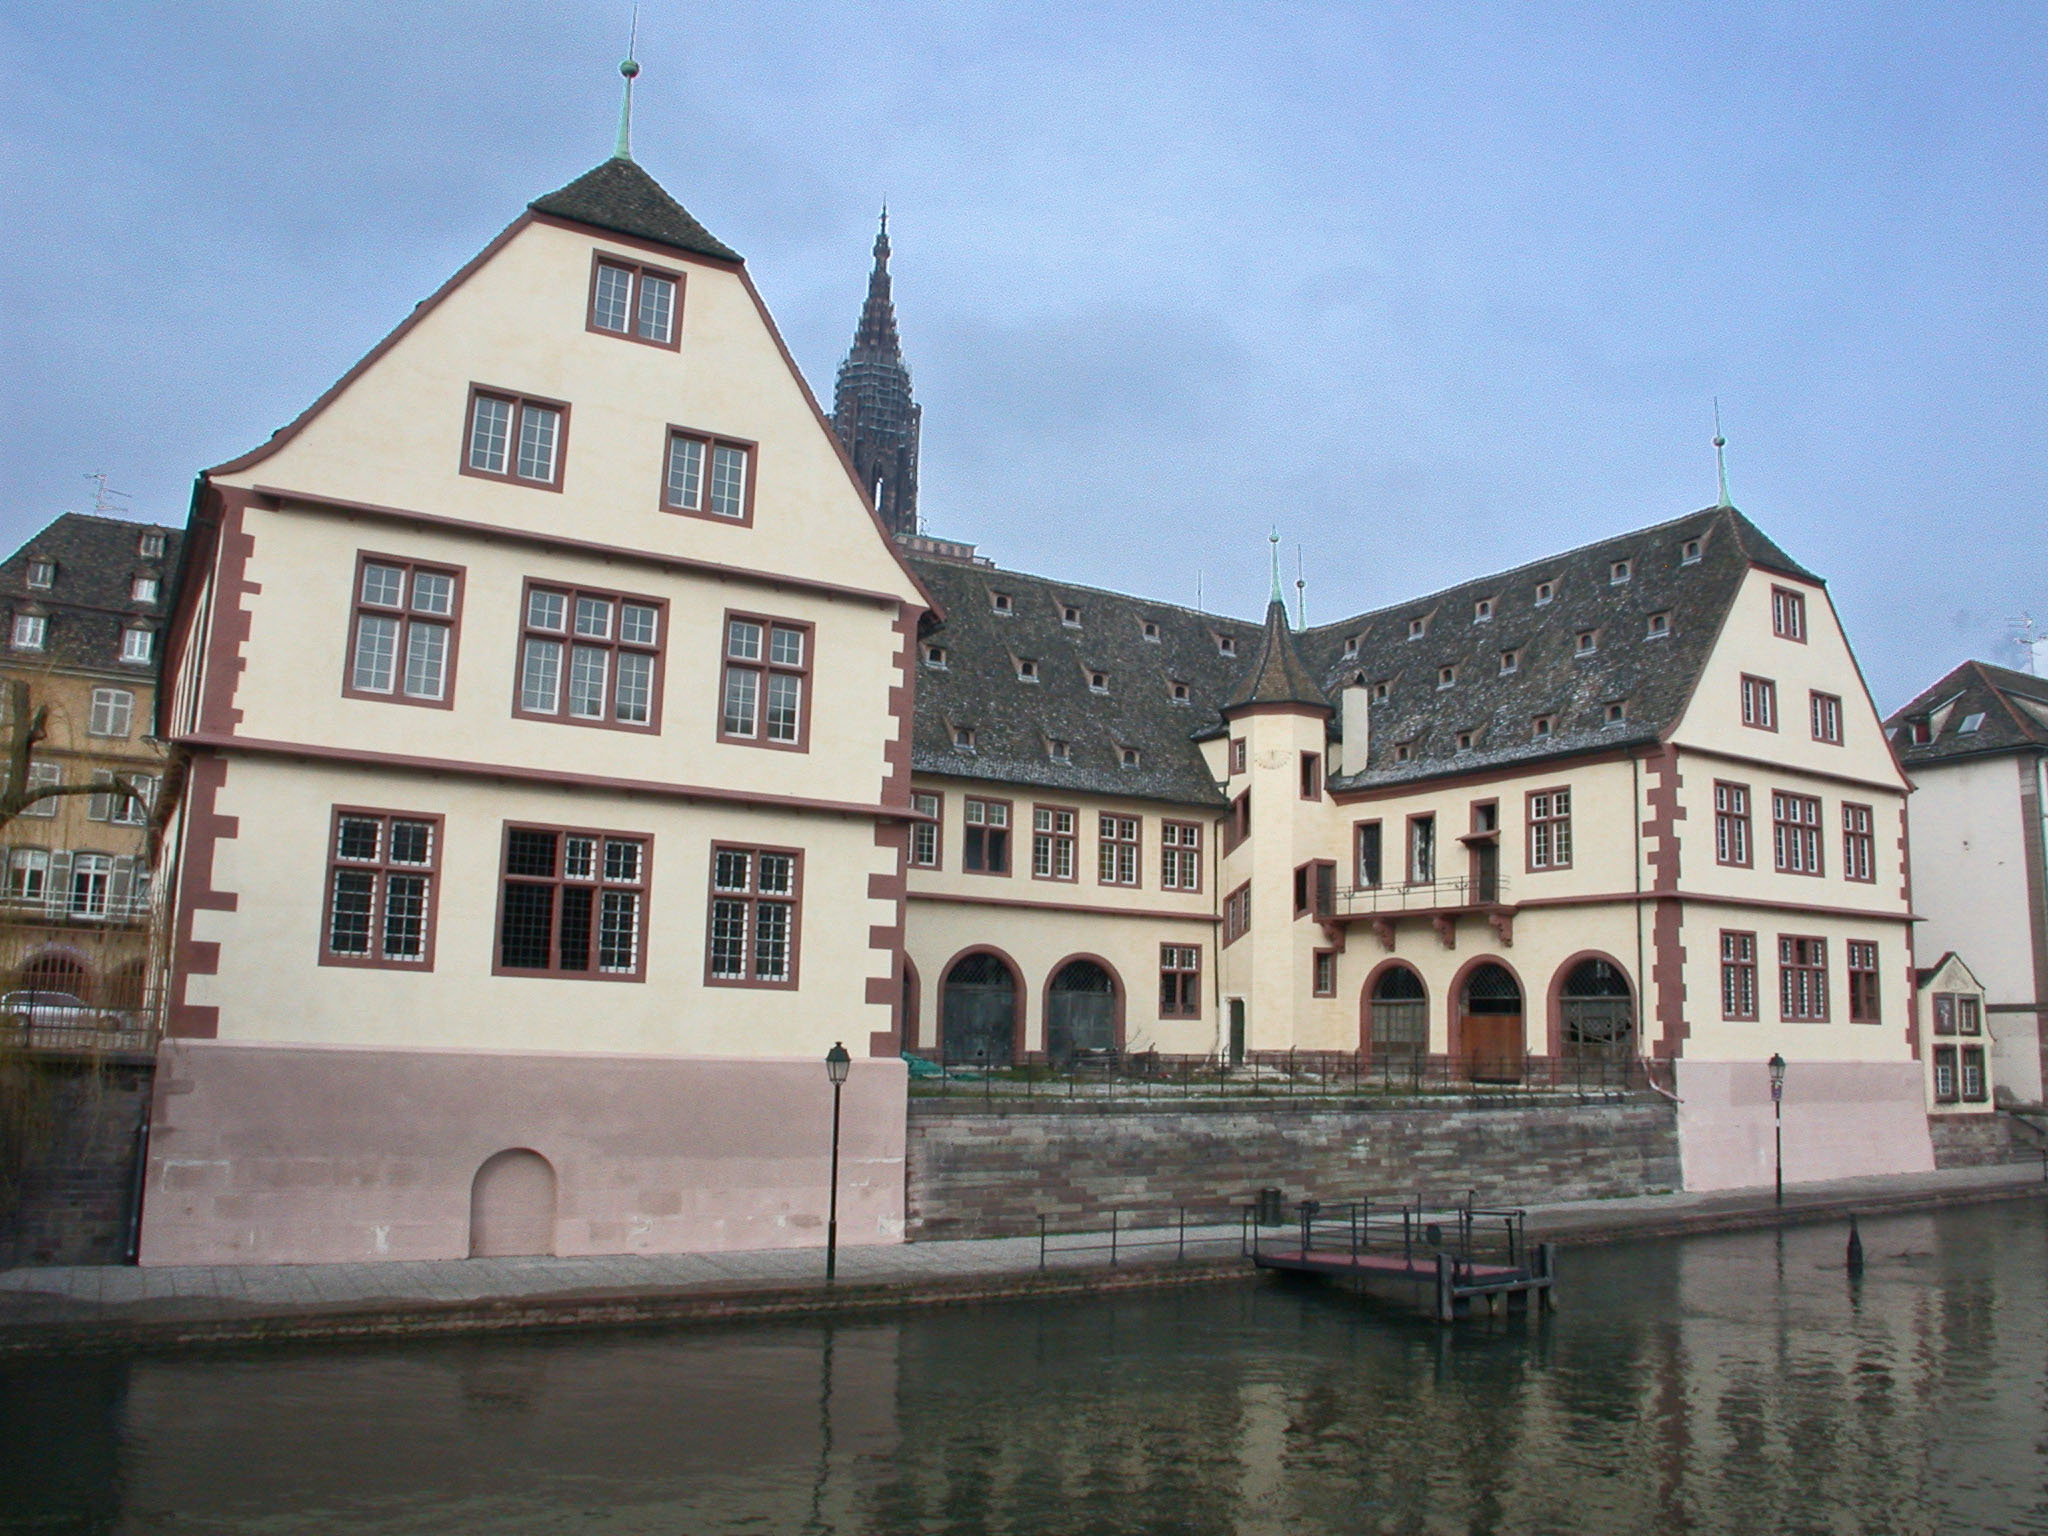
(1619, 572)
(1226, 645)
(1657, 627)
(1510, 662)
(1178, 691)
(1149, 630)
(143, 589)
(1542, 726)
(1545, 591)
(1058, 750)
(1350, 647)
(1070, 615)
(1002, 603)
(1027, 671)
(1446, 677)
(1689, 552)
(1919, 733)
(1129, 757)
(1418, 627)
(1588, 642)
(1403, 751)
(963, 738)
(42, 574)
(151, 545)
(1616, 712)
(935, 657)
(1466, 740)
(1381, 689)
(1482, 611)
(1098, 682)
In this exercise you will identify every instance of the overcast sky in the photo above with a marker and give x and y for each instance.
(1436, 288)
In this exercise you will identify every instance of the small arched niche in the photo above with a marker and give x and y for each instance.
(512, 1206)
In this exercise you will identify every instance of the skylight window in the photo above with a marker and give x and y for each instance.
(1971, 724)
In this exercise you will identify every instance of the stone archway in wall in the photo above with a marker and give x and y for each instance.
(978, 1011)
(53, 970)
(1396, 1015)
(1490, 1023)
(512, 1206)
(1083, 1010)
(909, 1026)
(1595, 1009)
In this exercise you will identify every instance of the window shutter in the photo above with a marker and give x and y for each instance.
(120, 886)
(100, 806)
(57, 895)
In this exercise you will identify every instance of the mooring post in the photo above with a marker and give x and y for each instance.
(1041, 1240)
(1446, 1297)
(1112, 1239)
(1546, 1265)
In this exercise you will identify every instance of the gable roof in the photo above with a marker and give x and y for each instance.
(619, 196)
(2009, 710)
(90, 599)
(1278, 675)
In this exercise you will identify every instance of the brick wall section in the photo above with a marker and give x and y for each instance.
(1978, 1141)
(74, 1196)
(992, 1172)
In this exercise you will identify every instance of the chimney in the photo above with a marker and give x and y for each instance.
(1355, 703)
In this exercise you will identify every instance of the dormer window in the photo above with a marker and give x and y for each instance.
(151, 546)
(42, 574)
(1545, 591)
(1971, 724)
(1350, 647)
(963, 738)
(1179, 691)
(1482, 611)
(1059, 751)
(1510, 662)
(1542, 726)
(143, 589)
(1128, 756)
(1150, 631)
(1226, 645)
(1027, 671)
(1446, 677)
(636, 302)
(1402, 751)
(31, 631)
(1616, 712)
(935, 657)
(138, 645)
(1689, 552)
(1619, 572)
(1657, 627)
(1588, 642)
(1381, 689)
(1418, 627)
(1098, 682)
(1919, 732)
(1002, 603)
(1070, 616)
(1465, 740)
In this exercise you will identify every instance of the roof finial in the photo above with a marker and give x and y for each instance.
(1720, 457)
(1275, 541)
(882, 239)
(629, 67)
(1300, 592)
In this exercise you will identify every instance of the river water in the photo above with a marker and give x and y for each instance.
(1742, 1383)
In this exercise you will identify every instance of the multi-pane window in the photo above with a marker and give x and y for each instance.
(1731, 823)
(1366, 840)
(1421, 850)
(1238, 757)
(1973, 1073)
(1945, 1074)
(1180, 981)
(765, 691)
(42, 574)
(31, 631)
(381, 889)
(138, 644)
(633, 301)
(143, 589)
(573, 903)
(1788, 613)
(1802, 979)
(40, 776)
(1795, 832)
(91, 882)
(1550, 829)
(709, 476)
(513, 437)
(403, 645)
(924, 835)
(1237, 913)
(1323, 973)
(1862, 956)
(1180, 856)
(1858, 843)
(1969, 1020)
(1738, 975)
(1760, 703)
(985, 836)
(590, 658)
(116, 805)
(1052, 842)
(1825, 711)
(1117, 850)
(151, 545)
(28, 875)
(113, 712)
(754, 905)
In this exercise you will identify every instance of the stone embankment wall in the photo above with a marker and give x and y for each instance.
(978, 1171)
(73, 1195)
(1978, 1141)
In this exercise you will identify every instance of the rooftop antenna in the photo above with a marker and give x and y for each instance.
(100, 502)
(629, 67)
(1198, 591)
(2028, 639)
(1300, 592)
(1721, 459)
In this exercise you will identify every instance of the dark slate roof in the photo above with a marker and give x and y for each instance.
(88, 603)
(1278, 675)
(621, 197)
(2004, 710)
(1012, 719)
(1651, 678)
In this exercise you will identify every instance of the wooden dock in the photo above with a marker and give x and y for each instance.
(1441, 1260)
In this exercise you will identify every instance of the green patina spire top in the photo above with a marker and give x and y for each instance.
(630, 67)
(1720, 456)
(1274, 540)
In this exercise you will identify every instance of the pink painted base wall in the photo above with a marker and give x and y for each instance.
(286, 1154)
(1843, 1119)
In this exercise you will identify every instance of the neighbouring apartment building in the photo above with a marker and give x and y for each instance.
(1975, 745)
(544, 688)
(86, 598)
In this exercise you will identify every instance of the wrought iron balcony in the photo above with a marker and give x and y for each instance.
(1463, 894)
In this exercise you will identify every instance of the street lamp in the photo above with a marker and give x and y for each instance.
(1777, 1065)
(837, 1065)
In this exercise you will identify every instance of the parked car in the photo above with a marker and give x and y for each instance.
(57, 1010)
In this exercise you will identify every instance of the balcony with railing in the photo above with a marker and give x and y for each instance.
(1484, 894)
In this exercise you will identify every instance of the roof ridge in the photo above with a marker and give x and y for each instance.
(1084, 587)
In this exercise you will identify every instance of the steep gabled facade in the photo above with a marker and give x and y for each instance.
(545, 693)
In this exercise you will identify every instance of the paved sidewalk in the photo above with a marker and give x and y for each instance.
(121, 1307)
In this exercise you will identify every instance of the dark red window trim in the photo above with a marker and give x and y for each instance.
(407, 617)
(612, 645)
(639, 269)
(1071, 837)
(518, 402)
(753, 898)
(1009, 837)
(938, 830)
(765, 668)
(380, 870)
(1178, 999)
(1173, 839)
(642, 887)
(1315, 970)
(711, 443)
(1766, 691)
(1745, 965)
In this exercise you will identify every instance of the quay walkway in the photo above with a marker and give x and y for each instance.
(107, 1308)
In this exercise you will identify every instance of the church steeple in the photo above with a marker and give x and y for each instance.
(872, 408)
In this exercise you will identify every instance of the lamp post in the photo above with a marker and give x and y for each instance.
(837, 1065)
(1777, 1065)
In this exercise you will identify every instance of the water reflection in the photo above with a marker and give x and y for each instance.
(1747, 1382)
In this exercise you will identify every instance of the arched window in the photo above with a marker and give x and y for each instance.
(978, 1012)
(1080, 1011)
(1597, 1013)
(1400, 1015)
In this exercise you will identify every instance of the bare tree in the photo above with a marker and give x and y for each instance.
(23, 731)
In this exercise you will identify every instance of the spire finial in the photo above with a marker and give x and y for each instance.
(629, 67)
(1300, 592)
(1720, 457)
(882, 239)
(1274, 540)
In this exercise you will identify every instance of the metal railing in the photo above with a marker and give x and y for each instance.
(73, 907)
(1219, 1229)
(1415, 1230)
(1449, 895)
(133, 1036)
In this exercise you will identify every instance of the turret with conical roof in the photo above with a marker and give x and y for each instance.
(872, 408)
(1278, 675)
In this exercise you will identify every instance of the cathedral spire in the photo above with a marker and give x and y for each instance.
(872, 408)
